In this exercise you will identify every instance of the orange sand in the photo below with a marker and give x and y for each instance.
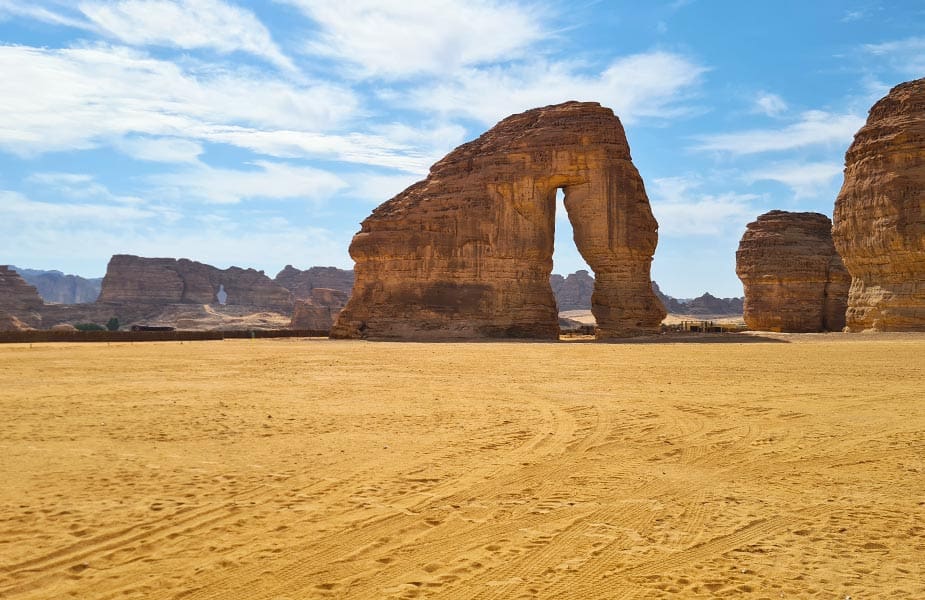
(292, 469)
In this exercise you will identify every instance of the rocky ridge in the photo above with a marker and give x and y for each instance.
(879, 221)
(794, 279)
(20, 303)
(467, 252)
(57, 288)
(134, 280)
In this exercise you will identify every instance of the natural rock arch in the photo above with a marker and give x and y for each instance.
(467, 253)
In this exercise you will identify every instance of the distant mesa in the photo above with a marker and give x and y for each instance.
(879, 221)
(302, 283)
(794, 279)
(137, 280)
(467, 253)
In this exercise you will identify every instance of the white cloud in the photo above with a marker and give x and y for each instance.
(168, 150)
(814, 128)
(36, 233)
(80, 97)
(398, 39)
(22, 213)
(635, 87)
(681, 210)
(805, 179)
(377, 188)
(769, 104)
(30, 10)
(708, 215)
(269, 180)
(905, 56)
(186, 24)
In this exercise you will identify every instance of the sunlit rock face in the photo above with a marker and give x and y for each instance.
(135, 280)
(794, 279)
(879, 221)
(467, 253)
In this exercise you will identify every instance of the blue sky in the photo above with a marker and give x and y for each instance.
(261, 133)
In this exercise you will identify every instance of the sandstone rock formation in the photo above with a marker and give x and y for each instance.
(467, 253)
(880, 215)
(301, 283)
(794, 280)
(574, 291)
(318, 312)
(18, 299)
(10, 322)
(146, 281)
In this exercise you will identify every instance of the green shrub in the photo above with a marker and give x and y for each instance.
(113, 324)
(89, 327)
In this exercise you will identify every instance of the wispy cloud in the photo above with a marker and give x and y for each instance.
(636, 87)
(268, 180)
(906, 56)
(166, 150)
(186, 24)
(77, 98)
(805, 179)
(396, 39)
(814, 128)
(683, 210)
(769, 104)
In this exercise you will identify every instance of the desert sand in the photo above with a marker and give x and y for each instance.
(778, 467)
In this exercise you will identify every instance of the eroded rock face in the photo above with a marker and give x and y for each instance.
(467, 253)
(18, 300)
(145, 281)
(574, 291)
(318, 312)
(880, 215)
(794, 279)
(301, 283)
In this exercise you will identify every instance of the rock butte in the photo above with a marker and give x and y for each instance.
(880, 215)
(318, 312)
(467, 253)
(794, 280)
(145, 281)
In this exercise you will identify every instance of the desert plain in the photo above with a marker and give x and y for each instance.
(783, 466)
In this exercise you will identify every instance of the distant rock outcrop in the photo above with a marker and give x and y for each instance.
(794, 279)
(880, 215)
(20, 303)
(58, 288)
(574, 291)
(318, 312)
(135, 280)
(467, 252)
(301, 283)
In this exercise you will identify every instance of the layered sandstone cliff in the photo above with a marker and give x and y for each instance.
(319, 311)
(574, 291)
(301, 283)
(794, 279)
(20, 303)
(880, 215)
(467, 253)
(146, 281)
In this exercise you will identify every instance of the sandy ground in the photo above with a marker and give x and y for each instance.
(779, 467)
(586, 318)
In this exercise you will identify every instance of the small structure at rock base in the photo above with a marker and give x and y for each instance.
(467, 253)
(880, 215)
(794, 279)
